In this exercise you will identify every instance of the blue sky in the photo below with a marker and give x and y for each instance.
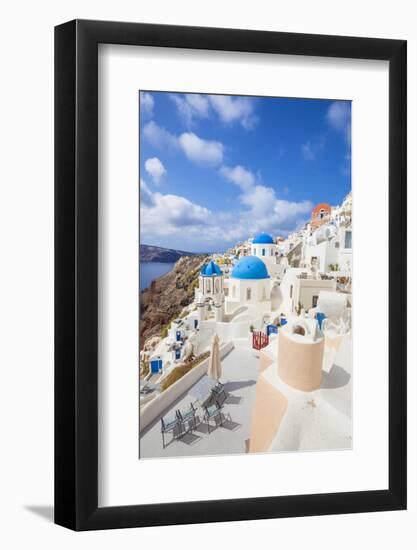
(216, 169)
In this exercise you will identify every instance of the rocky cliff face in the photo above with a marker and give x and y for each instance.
(159, 254)
(164, 299)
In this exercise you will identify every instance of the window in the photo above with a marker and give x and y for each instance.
(248, 293)
(337, 244)
(348, 239)
(234, 291)
(291, 287)
(314, 301)
(263, 252)
(208, 286)
(299, 330)
(254, 251)
(315, 262)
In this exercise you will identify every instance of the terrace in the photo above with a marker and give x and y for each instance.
(239, 375)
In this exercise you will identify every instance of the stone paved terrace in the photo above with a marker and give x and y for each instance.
(240, 373)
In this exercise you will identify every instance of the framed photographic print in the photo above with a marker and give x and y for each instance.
(230, 275)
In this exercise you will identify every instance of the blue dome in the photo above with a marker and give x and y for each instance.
(263, 238)
(211, 269)
(250, 267)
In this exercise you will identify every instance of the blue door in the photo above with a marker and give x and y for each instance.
(156, 366)
(178, 353)
(178, 336)
(320, 318)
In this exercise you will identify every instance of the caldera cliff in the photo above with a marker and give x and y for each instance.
(167, 295)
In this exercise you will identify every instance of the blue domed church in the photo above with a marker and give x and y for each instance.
(263, 246)
(210, 291)
(249, 281)
(248, 297)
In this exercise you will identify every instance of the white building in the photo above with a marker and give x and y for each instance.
(343, 214)
(249, 284)
(329, 249)
(299, 286)
(345, 250)
(210, 292)
(230, 306)
(264, 247)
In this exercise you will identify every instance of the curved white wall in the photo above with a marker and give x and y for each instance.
(263, 250)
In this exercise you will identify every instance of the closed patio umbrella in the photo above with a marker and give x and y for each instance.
(214, 367)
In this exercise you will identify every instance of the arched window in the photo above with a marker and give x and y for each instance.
(299, 330)
(248, 293)
(208, 286)
(254, 251)
(263, 252)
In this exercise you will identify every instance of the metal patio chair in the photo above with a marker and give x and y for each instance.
(170, 425)
(212, 412)
(219, 393)
(189, 416)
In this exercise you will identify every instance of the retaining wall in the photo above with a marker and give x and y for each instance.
(164, 400)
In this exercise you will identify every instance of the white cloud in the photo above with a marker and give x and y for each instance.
(155, 169)
(146, 195)
(260, 199)
(288, 211)
(163, 215)
(229, 109)
(264, 210)
(234, 109)
(196, 149)
(339, 117)
(201, 151)
(158, 136)
(311, 149)
(175, 221)
(238, 175)
(307, 151)
(191, 106)
(146, 104)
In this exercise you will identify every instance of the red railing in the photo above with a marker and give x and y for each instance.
(259, 340)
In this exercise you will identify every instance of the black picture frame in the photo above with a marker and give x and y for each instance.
(76, 272)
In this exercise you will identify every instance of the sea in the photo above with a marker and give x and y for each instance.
(148, 271)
